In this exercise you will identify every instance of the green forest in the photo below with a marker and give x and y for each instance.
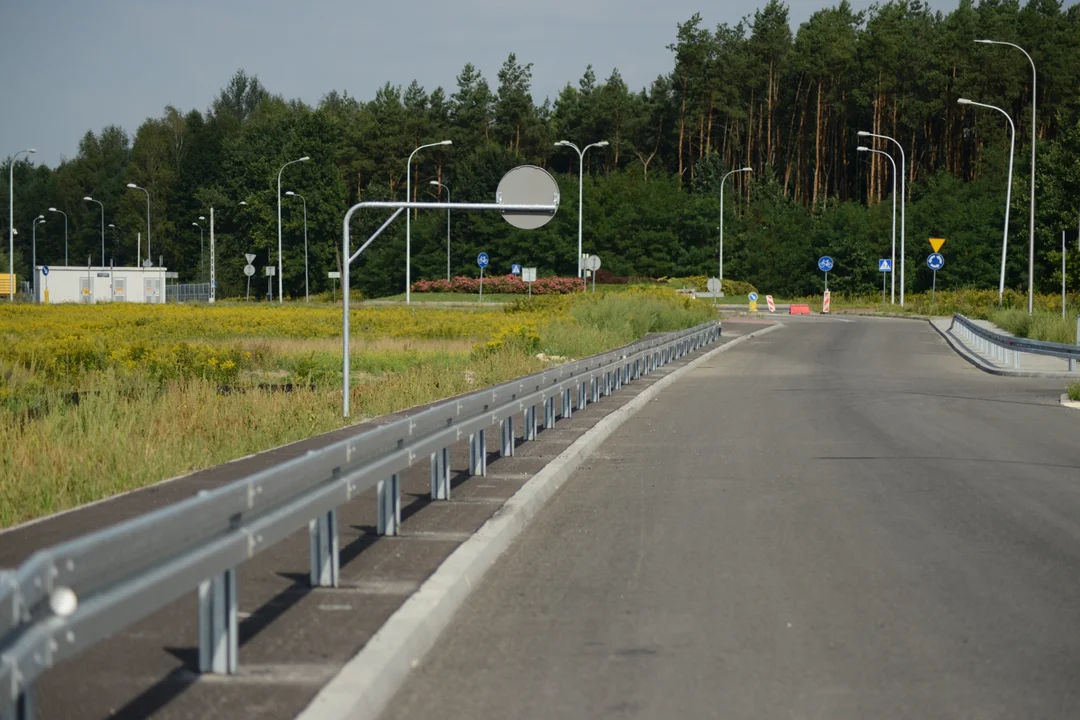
(785, 102)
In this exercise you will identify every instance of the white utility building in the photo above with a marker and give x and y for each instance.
(68, 284)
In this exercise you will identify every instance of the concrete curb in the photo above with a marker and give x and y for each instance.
(1065, 401)
(367, 682)
(980, 363)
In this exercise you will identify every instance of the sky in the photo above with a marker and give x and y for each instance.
(68, 66)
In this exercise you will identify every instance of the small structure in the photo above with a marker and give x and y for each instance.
(91, 285)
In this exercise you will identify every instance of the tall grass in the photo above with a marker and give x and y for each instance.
(115, 425)
(1041, 325)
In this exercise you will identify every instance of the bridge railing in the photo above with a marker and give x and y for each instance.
(1008, 348)
(68, 597)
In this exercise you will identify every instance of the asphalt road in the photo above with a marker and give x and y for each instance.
(841, 519)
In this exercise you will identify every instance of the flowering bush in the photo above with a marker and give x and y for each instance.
(507, 284)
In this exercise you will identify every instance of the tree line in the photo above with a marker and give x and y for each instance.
(754, 94)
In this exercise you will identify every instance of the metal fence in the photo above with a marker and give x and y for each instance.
(1008, 348)
(187, 292)
(69, 597)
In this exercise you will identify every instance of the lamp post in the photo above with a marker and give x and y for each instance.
(447, 189)
(202, 251)
(11, 222)
(581, 181)
(903, 204)
(90, 199)
(408, 217)
(52, 209)
(281, 298)
(116, 238)
(1031, 221)
(722, 181)
(133, 186)
(307, 293)
(39, 220)
(1008, 198)
(892, 272)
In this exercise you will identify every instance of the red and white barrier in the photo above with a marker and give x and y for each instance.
(825, 303)
(772, 305)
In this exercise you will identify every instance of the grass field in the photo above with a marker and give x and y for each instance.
(95, 400)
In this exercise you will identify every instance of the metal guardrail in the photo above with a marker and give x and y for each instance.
(69, 597)
(1008, 348)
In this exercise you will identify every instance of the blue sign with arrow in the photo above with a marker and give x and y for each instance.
(45, 270)
(825, 263)
(753, 297)
(884, 265)
(482, 260)
(935, 261)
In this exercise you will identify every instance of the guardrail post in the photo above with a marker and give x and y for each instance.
(23, 708)
(582, 394)
(549, 413)
(323, 549)
(506, 437)
(440, 474)
(530, 422)
(218, 633)
(594, 387)
(478, 453)
(389, 517)
(567, 405)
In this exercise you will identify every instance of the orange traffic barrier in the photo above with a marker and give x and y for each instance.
(798, 309)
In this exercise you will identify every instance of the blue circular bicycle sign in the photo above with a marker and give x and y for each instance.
(825, 263)
(482, 260)
(935, 261)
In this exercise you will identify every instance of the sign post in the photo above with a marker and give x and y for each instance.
(271, 270)
(45, 274)
(249, 270)
(592, 264)
(482, 261)
(825, 264)
(935, 262)
(772, 305)
(713, 286)
(528, 275)
(884, 266)
(335, 276)
(753, 301)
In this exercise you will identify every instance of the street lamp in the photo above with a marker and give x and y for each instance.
(436, 182)
(722, 180)
(116, 238)
(892, 272)
(90, 199)
(903, 204)
(202, 252)
(11, 223)
(1031, 221)
(52, 209)
(307, 293)
(39, 220)
(291, 162)
(1008, 198)
(133, 186)
(408, 218)
(581, 178)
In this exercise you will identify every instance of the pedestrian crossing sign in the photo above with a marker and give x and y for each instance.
(884, 265)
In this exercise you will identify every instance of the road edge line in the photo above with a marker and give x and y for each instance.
(370, 679)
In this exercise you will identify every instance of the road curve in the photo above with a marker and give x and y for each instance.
(837, 520)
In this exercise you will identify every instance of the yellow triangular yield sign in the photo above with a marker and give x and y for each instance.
(936, 243)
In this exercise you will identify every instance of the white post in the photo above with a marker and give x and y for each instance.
(408, 218)
(213, 267)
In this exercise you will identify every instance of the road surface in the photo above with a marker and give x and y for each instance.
(841, 519)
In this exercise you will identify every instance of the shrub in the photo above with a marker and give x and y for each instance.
(506, 284)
